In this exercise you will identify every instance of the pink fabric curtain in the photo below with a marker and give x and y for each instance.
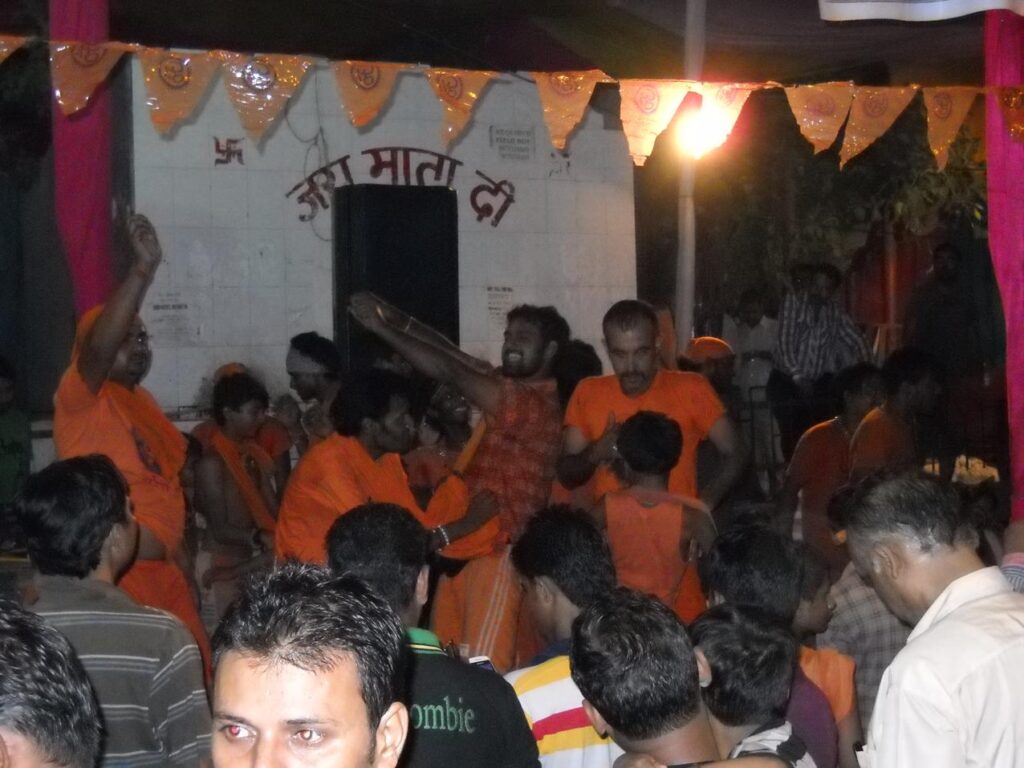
(1004, 65)
(81, 152)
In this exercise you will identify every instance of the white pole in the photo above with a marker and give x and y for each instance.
(686, 258)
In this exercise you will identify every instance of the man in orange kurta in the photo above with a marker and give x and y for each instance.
(821, 465)
(600, 404)
(513, 452)
(101, 407)
(360, 464)
(885, 439)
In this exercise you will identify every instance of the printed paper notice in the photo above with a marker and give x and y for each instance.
(175, 318)
(500, 299)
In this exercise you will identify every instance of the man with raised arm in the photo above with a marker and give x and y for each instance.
(101, 407)
(514, 458)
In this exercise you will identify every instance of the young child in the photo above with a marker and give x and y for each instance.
(655, 536)
(746, 664)
(830, 670)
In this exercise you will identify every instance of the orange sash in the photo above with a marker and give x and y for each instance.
(234, 456)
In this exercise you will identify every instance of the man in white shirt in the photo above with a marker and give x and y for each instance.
(954, 695)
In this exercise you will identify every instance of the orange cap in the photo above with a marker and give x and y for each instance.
(705, 348)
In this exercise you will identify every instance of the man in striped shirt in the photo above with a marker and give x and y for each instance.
(816, 339)
(143, 664)
(564, 564)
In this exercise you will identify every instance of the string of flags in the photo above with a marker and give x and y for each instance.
(259, 85)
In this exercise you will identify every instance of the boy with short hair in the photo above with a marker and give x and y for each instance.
(564, 565)
(654, 535)
(747, 671)
(827, 668)
(235, 488)
(759, 567)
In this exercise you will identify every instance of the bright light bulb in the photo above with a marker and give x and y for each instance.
(701, 130)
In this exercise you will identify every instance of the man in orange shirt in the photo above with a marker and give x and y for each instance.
(599, 405)
(360, 464)
(513, 456)
(821, 464)
(885, 438)
(101, 407)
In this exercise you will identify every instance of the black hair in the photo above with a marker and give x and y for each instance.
(234, 391)
(628, 313)
(319, 348)
(813, 570)
(304, 616)
(632, 660)
(907, 366)
(382, 544)
(553, 327)
(574, 362)
(67, 510)
(838, 507)
(563, 544)
(45, 694)
(754, 565)
(650, 443)
(367, 394)
(752, 661)
(915, 506)
(193, 447)
(7, 371)
(850, 381)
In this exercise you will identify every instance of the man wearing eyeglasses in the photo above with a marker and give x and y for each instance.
(102, 407)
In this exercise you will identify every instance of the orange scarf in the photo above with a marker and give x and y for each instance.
(235, 456)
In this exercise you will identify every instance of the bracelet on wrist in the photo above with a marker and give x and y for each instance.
(440, 530)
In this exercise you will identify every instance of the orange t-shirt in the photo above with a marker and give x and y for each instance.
(273, 436)
(645, 535)
(129, 427)
(686, 397)
(882, 441)
(337, 475)
(832, 672)
(819, 467)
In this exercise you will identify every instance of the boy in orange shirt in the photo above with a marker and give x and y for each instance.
(655, 535)
(827, 668)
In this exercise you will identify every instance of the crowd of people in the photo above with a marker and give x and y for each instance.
(436, 561)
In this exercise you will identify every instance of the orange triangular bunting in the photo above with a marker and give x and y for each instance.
(78, 68)
(175, 83)
(364, 87)
(947, 108)
(9, 44)
(564, 96)
(647, 108)
(259, 86)
(458, 90)
(872, 113)
(820, 111)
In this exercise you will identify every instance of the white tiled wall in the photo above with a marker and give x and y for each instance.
(253, 274)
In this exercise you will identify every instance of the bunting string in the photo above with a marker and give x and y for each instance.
(259, 86)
